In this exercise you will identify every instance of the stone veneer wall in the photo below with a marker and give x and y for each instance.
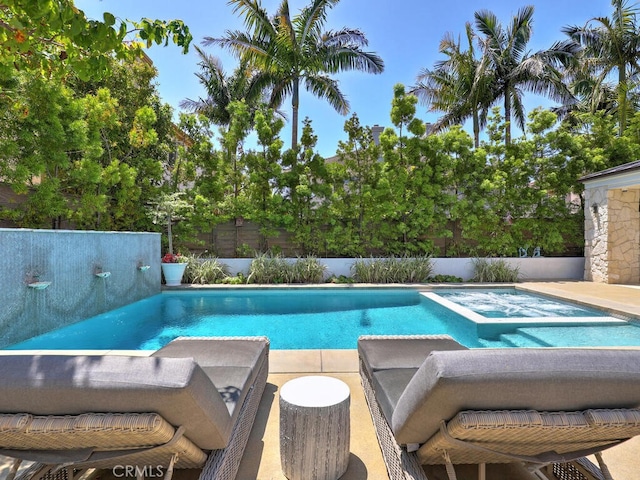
(624, 236)
(596, 260)
(612, 235)
(69, 260)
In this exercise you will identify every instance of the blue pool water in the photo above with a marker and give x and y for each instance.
(292, 319)
(301, 319)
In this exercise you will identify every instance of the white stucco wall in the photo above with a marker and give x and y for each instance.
(540, 268)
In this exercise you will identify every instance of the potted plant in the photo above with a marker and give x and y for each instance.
(173, 266)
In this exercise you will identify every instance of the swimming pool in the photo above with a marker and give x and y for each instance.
(291, 318)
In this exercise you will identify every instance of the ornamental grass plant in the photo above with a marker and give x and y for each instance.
(268, 268)
(494, 270)
(204, 271)
(308, 270)
(403, 269)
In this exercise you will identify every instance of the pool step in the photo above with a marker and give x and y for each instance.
(587, 335)
(488, 343)
(522, 339)
(517, 338)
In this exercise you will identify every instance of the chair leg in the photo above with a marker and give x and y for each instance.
(451, 471)
(14, 468)
(169, 474)
(603, 466)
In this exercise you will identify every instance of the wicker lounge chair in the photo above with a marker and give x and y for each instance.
(434, 402)
(190, 405)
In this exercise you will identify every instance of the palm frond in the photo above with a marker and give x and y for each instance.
(345, 58)
(281, 89)
(256, 18)
(286, 33)
(517, 108)
(448, 44)
(487, 24)
(345, 36)
(240, 44)
(519, 33)
(327, 88)
(193, 106)
(312, 18)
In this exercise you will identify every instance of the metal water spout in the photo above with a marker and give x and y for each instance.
(101, 273)
(33, 281)
(142, 267)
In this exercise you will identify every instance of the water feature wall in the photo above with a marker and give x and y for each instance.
(52, 278)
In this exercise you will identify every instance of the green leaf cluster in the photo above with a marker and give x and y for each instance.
(85, 154)
(55, 38)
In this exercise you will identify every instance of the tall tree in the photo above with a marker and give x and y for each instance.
(290, 51)
(504, 52)
(412, 177)
(611, 45)
(456, 86)
(264, 173)
(221, 89)
(143, 137)
(354, 208)
(89, 153)
(306, 187)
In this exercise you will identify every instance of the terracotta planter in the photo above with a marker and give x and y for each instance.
(173, 273)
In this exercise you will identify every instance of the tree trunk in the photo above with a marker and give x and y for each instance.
(507, 117)
(476, 129)
(622, 99)
(295, 102)
(169, 234)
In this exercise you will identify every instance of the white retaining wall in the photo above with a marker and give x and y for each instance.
(538, 268)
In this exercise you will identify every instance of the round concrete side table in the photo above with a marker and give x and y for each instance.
(314, 428)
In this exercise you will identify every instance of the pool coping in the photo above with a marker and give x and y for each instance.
(280, 361)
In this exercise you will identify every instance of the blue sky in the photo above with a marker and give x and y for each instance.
(405, 33)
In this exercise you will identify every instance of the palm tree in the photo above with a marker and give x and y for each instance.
(611, 44)
(456, 86)
(590, 96)
(221, 89)
(504, 53)
(288, 51)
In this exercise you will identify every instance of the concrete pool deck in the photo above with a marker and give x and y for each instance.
(622, 299)
(262, 456)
